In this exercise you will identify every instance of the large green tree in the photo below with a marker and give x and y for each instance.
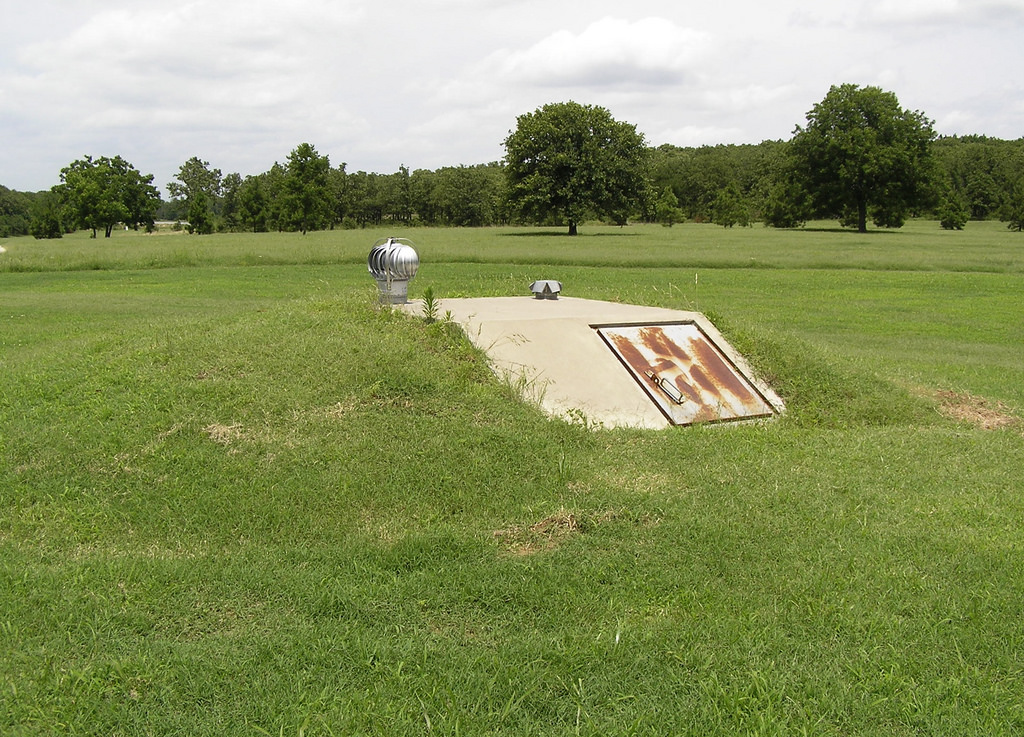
(862, 154)
(307, 194)
(104, 192)
(567, 161)
(198, 186)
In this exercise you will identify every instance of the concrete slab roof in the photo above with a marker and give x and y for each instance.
(550, 348)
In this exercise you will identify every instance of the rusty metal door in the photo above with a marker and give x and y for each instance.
(685, 373)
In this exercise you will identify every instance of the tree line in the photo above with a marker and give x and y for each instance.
(979, 178)
(860, 157)
(304, 193)
(307, 193)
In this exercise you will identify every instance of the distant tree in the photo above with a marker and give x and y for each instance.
(466, 196)
(729, 208)
(666, 209)
(46, 217)
(422, 185)
(272, 186)
(953, 212)
(366, 193)
(461, 196)
(861, 154)
(398, 196)
(307, 196)
(15, 214)
(785, 204)
(229, 206)
(981, 171)
(698, 175)
(198, 186)
(252, 204)
(1015, 207)
(568, 161)
(338, 185)
(90, 195)
(779, 196)
(142, 200)
(102, 193)
(170, 210)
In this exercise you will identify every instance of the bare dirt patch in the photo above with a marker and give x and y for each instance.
(541, 536)
(223, 434)
(978, 411)
(342, 409)
(555, 530)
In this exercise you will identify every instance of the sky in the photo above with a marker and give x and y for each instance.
(379, 84)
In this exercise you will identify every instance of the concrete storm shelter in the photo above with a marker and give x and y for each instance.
(615, 365)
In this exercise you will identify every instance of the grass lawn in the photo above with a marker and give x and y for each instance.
(237, 498)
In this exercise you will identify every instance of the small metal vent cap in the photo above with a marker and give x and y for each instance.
(546, 289)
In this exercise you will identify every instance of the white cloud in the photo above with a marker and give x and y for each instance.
(216, 73)
(431, 83)
(960, 12)
(204, 51)
(955, 121)
(607, 52)
(909, 11)
(745, 99)
(692, 135)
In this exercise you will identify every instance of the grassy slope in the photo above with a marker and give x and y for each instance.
(238, 499)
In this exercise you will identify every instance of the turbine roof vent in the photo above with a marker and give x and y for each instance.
(393, 262)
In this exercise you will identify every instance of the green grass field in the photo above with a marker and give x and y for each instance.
(237, 498)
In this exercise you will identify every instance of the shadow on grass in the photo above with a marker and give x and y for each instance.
(564, 234)
(848, 231)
